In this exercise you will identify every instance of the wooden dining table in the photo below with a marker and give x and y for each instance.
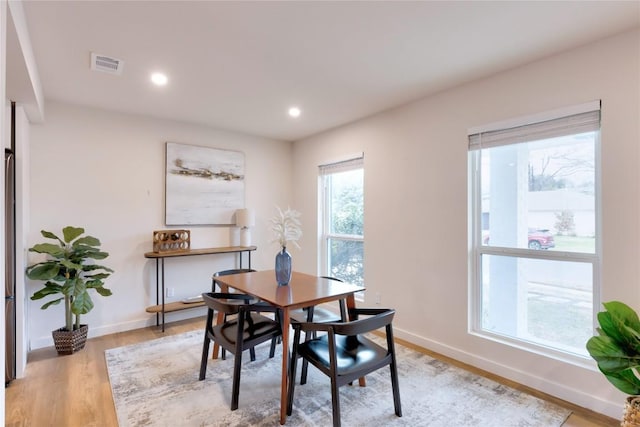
(303, 290)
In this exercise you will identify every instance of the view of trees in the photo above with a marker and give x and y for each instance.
(347, 213)
(564, 168)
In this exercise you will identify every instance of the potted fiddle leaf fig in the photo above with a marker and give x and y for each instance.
(69, 272)
(616, 348)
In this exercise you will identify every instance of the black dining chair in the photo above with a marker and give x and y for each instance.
(215, 287)
(317, 315)
(237, 334)
(345, 354)
(217, 274)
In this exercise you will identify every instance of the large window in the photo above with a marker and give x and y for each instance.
(535, 233)
(342, 214)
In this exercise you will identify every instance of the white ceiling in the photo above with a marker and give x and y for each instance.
(240, 65)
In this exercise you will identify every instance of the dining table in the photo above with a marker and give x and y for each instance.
(303, 290)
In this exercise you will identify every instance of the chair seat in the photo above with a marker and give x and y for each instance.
(262, 326)
(320, 315)
(354, 354)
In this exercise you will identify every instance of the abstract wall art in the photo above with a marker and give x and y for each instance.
(203, 185)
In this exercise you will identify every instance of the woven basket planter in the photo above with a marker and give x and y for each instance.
(631, 415)
(68, 342)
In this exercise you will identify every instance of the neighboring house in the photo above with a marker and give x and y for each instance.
(544, 206)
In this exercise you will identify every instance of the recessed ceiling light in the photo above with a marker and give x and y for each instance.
(159, 79)
(294, 112)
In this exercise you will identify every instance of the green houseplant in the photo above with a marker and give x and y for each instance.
(69, 272)
(616, 348)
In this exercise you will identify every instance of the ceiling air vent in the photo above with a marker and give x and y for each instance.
(106, 64)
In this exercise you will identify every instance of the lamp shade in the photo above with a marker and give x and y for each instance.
(245, 218)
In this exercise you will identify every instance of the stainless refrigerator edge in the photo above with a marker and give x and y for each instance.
(10, 267)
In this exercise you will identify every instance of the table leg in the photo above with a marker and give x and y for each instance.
(285, 365)
(351, 303)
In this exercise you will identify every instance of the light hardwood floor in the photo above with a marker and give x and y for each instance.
(74, 391)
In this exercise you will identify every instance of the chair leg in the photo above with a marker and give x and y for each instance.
(272, 351)
(293, 359)
(394, 371)
(205, 357)
(305, 364)
(235, 391)
(335, 402)
(395, 387)
(292, 380)
(252, 353)
(303, 374)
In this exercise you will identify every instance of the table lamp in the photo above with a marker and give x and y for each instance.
(245, 218)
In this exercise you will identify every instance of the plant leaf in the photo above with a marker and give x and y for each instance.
(43, 271)
(82, 304)
(50, 235)
(616, 348)
(621, 323)
(103, 291)
(50, 303)
(625, 381)
(70, 233)
(50, 288)
(88, 241)
(48, 248)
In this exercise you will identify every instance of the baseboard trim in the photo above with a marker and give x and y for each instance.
(543, 385)
(47, 340)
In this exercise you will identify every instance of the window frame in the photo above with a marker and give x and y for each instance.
(351, 163)
(477, 249)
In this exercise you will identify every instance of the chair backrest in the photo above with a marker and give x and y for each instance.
(226, 273)
(379, 318)
(225, 302)
(343, 307)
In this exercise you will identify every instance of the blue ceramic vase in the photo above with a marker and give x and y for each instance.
(283, 267)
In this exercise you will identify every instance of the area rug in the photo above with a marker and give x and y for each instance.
(155, 383)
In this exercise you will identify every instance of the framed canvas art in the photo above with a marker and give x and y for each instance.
(203, 186)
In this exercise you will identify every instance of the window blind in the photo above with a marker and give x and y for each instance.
(566, 125)
(342, 165)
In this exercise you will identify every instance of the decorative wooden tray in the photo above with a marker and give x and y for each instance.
(171, 241)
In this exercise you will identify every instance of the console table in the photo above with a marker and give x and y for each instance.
(161, 307)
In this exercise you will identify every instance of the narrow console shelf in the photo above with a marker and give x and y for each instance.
(173, 306)
(161, 307)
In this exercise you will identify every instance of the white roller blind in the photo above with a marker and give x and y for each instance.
(566, 125)
(343, 165)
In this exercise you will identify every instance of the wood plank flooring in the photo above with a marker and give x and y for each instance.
(74, 391)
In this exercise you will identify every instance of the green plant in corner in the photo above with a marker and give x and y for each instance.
(616, 348)
(68, 272)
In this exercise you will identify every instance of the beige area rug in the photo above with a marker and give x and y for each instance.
(155, 383)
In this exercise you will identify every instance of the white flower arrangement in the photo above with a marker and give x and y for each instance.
(286, 227)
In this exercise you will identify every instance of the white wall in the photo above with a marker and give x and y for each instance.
(105, 171)
(22, 224)
(416, 250)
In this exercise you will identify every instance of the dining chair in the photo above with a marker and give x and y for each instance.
(237, 334)
(345, 354)
(215, 284)
(317, 315)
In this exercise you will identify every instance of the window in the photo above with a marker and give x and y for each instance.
(342, 215)
(534, 215)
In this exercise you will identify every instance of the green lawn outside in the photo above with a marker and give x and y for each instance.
(575, 244)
